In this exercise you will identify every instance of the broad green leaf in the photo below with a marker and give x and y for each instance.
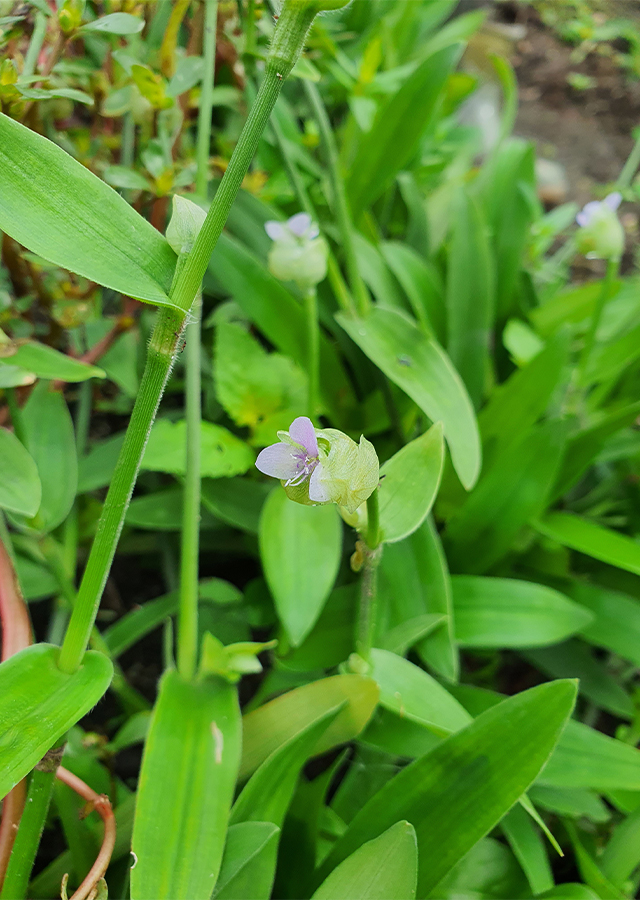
(57, 208)
(458, 792)
(185, 791)
(385, 868)
(573, 659)
(96, 469)
(45, 362)
(414, 581)
(621, 855)
(39, 703)
(421, 282)
(470, 296)
(610, 360)
(409, 484)
(585, 758)
(222, 454)
(488, 864)
(505, 612)
(378, 277)
(268, 727)
(247, 868)
(397, 736)
(115, 23)
(277, 313)
(410, 692)
(574, 802)
(188, 73)
(300, 549)
(332, 637)
(20, 489)
(265, 391)
(422, 369)
(510, 493)
(528, 846)
(162, 511)
(36, 581)
(51, 442)
(616, 625)
(124, 177)
(590, 870)
(515, 406)
(398, 128)
(592, 539)
(403, 636)
(236, 501)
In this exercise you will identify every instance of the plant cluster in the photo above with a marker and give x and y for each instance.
(243, 245)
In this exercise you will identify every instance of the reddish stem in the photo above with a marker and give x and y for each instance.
(102, 805)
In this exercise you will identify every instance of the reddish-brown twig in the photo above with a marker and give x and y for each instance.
(102, 805)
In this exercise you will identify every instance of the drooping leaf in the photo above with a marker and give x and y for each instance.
(39, 703)
(300, 548)
(60, 210)
(185, 791)
(421, 368)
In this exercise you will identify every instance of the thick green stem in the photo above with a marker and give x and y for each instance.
(159, 361)
(373, 521)
(340, 203)
(25, 846)
(369, 580)
(188, 614)
(607, 283)
(313, 349)
(288, 41)
(206, 97)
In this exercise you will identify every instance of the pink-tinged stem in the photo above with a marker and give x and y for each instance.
(16, 635)
(102, 805)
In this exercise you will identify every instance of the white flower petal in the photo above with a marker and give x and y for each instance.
(275, 230)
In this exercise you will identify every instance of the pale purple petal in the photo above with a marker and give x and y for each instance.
(313, 232)
(317, 491)
(275, 230)
(587, 212)
(303, 432)
(280, 461)
(299, 224)
(614, 200)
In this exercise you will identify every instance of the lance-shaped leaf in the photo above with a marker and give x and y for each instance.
(39, 703)
(20, 488)
(60, 210)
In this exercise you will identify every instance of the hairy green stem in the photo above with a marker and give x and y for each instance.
(373, 521)
(187, 649)
(25, 846)
(206, 97)
(288, 41)
(340, 203)
(313, 349)
(631, 166)
(372, 551)
(607, 283)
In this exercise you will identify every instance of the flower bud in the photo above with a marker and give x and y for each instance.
(601, 235)
(298, 253)
(70, 15)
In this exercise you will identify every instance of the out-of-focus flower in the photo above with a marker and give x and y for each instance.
(601, 235)
(321, 465)
(298, 253)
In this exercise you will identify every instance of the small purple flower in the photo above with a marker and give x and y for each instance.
(595, 207)
(295, 459)
(300, 226)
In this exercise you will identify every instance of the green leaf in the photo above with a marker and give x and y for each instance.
(409, 484)
(385, 868)
(410, 692)
(528, 847)
(115, 23)
(45, 362)
(505, 612)
(510, 493)
(58, 209)
(300, 549)
(332, 637)
(247, 868)
(400, 124)
(458, 792)
(124, 177)
(621, 856)
(14, 376)
(470, 296)
(422, 284)
(222, 454)
(50, 94)
(189, 72)
(421, 368)
(162, 511)
(20, 489)
(39, 703)
(414, 581)
(594, 540)
(51, 442)
(236, 501)
(268, 727)
(186, 786)
(616, 625)
(585, 758)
